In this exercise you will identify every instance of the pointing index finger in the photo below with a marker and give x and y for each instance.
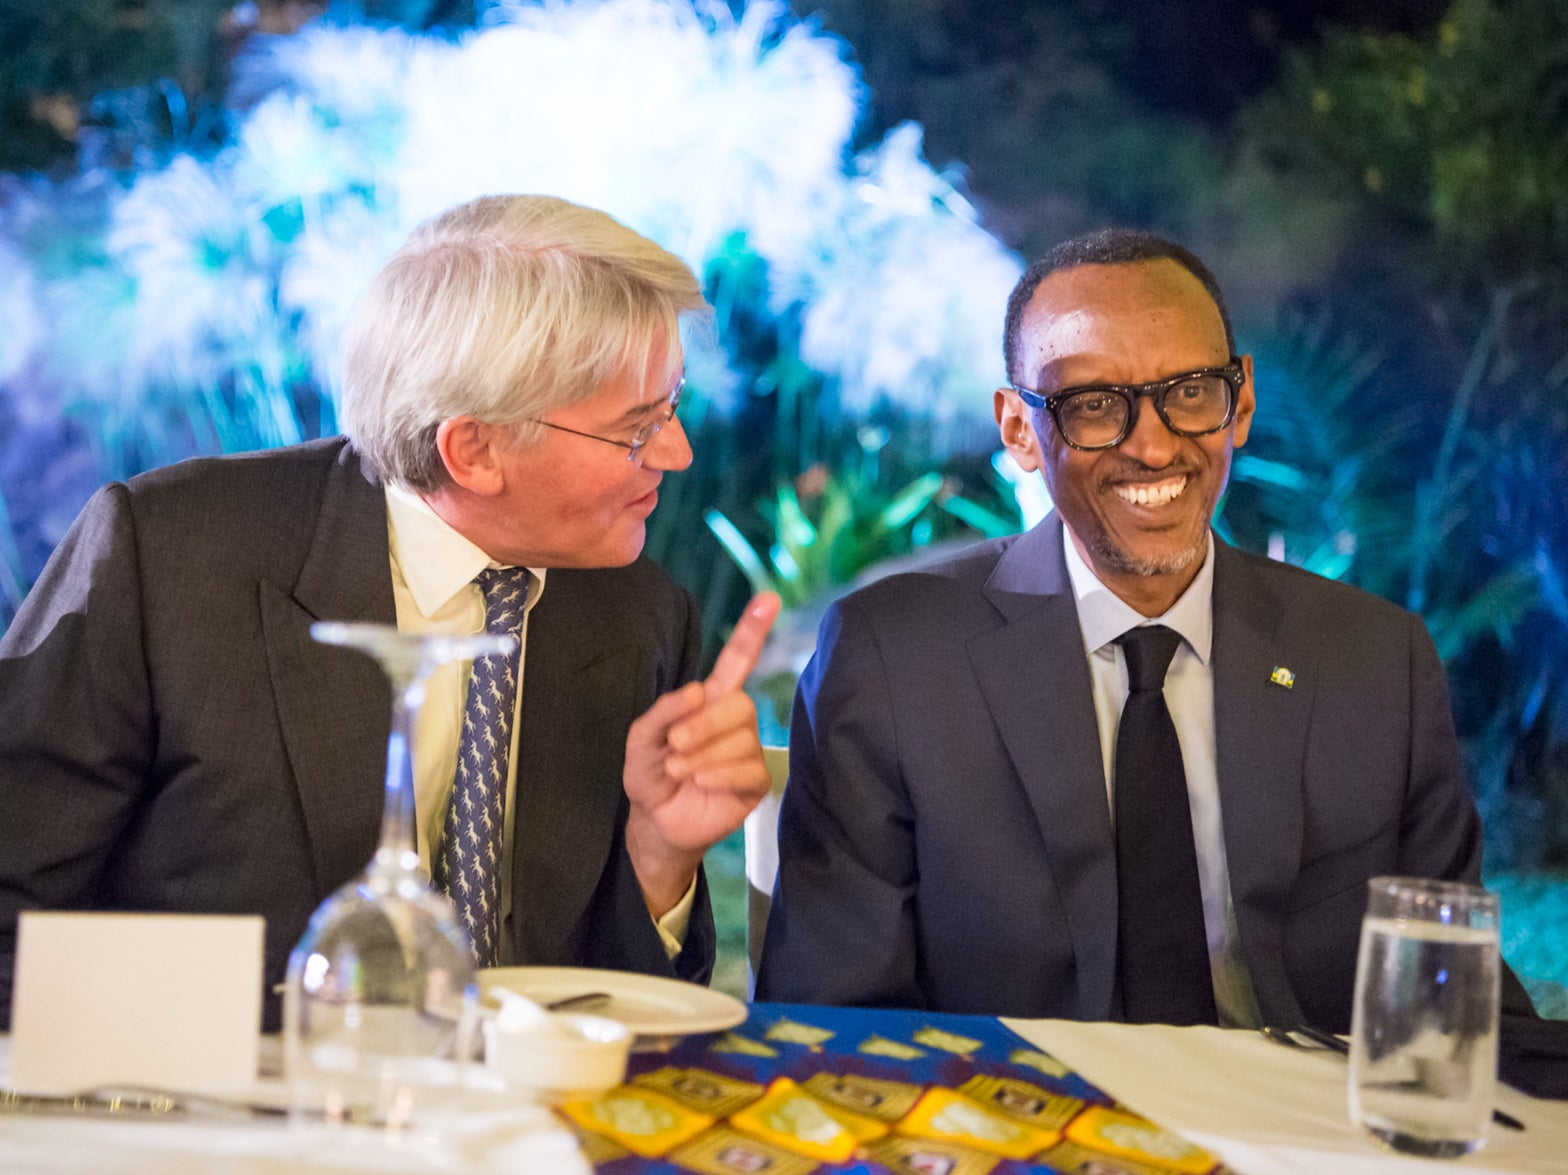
(739, 656)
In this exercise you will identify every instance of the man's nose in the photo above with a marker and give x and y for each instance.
(669, 449)
(1150, 442)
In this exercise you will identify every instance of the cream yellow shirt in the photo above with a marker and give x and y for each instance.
(433, 570)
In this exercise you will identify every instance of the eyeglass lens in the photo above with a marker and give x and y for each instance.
(650, 430)
(1099, 417)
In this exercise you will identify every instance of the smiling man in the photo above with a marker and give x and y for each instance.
(175, 741)
(1111, 768)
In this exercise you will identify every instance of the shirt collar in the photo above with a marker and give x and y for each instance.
(1103, 615)
(435, 560)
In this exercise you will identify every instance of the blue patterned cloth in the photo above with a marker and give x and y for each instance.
(468, 866)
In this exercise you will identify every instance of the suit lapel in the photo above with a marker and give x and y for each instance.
(334, 706)
(578, 684)
(1035, 677)
(1260, 728)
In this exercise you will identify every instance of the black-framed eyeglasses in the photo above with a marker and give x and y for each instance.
(1102, 416)
(639, 438)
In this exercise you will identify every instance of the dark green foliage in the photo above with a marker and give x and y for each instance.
(1450, 148)
(1459, 137)
(151, 69)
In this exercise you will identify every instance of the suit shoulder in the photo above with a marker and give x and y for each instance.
(937, 578)
(240, 476)
(254, 508)
(941, 599)
(639, 593)
(1307, 591)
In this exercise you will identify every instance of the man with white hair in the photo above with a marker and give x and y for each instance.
(175, 741)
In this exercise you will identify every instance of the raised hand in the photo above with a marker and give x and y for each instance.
(694, 766)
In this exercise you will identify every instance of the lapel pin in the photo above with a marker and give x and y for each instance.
(1282, 676)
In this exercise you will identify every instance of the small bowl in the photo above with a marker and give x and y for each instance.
(585, 1061)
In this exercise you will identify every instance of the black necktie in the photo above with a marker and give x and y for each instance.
(1162, 949)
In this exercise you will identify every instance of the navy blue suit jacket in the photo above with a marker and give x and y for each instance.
(945, 840)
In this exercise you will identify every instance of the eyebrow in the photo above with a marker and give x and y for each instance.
(1065, 385)
(639, 412)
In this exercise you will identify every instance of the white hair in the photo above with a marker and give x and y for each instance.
(502, 309)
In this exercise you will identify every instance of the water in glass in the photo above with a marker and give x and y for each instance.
(1424, 1038)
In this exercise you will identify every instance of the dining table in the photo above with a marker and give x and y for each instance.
(921, 1093)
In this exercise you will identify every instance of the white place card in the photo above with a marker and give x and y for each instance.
(165, 1000)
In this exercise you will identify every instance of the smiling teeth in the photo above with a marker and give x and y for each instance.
(1155, 495)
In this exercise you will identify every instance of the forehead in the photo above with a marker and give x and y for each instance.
(643, 381)
(1120, 322)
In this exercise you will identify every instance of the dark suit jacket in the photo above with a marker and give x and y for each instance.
(945, 840)
(172, 739)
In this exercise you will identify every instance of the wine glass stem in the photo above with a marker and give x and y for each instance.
(398, 849)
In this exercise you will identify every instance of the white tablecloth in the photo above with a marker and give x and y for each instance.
(506, 1137)
(1265, 1109)
(1271, 1110)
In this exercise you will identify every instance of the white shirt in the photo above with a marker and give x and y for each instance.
(1189, 693)
(433, 570)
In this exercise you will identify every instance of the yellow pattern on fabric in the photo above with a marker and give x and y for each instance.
(887, 1101)
(881, 1046)
(597, 1148)
(949, 1115)
(947, 1041)
(793, 1119)
(793, 1032)
(1073, 1158)
(722, 1151)
(701, 1090)
(643, 1121)
(922, 1156)
(1138, 1138)
(1021, 1100)
(1035, 1059)
(732, 1043)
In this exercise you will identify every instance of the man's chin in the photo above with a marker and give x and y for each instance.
(1148, 563)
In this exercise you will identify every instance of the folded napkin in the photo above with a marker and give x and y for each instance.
(1533, 1055)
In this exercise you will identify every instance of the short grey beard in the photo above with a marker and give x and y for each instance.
(1113, 557)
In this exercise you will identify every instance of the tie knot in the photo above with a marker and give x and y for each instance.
(506, 591)
(1148, 650)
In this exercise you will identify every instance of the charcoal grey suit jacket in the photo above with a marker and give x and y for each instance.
(172, 739)
(945, 840)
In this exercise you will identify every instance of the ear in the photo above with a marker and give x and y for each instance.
(470, 450)
(1246, 404)
(1013, 421)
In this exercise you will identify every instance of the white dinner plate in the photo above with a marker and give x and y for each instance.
(649, 1005)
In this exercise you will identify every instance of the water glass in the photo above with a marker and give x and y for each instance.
(1423, 1050)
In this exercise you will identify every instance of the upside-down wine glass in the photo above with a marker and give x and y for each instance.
(380, 1010)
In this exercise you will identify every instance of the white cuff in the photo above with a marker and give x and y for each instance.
(672, 927)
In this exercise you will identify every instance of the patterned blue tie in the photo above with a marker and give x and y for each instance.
(468, 867)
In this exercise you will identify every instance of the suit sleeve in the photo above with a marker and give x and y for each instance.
(78, 732)
(1440, 831)
(842, 929)
(635, 944)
